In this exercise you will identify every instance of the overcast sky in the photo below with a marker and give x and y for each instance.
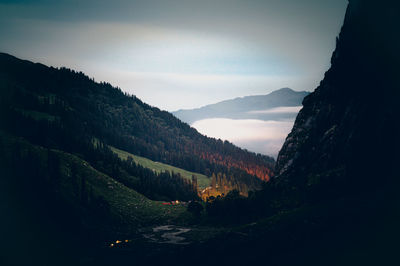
(179, 54)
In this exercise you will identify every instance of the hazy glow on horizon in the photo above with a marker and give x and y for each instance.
(204, 89)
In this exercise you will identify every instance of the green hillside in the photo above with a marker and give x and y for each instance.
(83, 187)
(203, 181)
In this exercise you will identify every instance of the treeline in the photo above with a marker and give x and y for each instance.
(79, 106)
(51, 134)
(165, 186)
(236, 208)
(37, 177)
(222, 184)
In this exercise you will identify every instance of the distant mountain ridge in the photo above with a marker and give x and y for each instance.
(246, 107)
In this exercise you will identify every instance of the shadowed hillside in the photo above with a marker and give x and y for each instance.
(345, 139)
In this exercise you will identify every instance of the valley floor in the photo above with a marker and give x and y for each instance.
(68, 228)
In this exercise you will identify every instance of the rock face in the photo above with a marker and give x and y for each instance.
(346, 137)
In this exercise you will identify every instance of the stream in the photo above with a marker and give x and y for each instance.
(167, 234)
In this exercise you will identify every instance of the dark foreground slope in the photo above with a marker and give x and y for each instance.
(249, 107)
(56, 209)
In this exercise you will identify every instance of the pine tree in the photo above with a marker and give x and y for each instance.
(213, 182)
(194, 183)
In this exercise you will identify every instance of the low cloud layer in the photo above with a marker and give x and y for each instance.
(278, 110)
(265, 137)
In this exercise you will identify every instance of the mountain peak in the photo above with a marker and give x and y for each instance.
(285, 90)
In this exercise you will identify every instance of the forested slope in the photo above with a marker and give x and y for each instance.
(66, 110)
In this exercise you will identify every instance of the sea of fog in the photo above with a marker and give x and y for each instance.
(265, 137)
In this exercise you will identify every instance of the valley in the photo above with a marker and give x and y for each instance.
(104, 163)
(91, 175)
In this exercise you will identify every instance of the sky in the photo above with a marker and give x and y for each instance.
(177, 54)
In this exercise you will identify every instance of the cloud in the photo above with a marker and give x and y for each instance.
(266, 147)
(265, 137)
(278, 110)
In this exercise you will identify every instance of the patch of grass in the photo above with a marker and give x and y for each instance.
(202, 180)
(127, 207)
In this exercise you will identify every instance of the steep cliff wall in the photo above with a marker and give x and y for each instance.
(346, 137)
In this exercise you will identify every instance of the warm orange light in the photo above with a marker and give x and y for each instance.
(126, 241)
(118, 241)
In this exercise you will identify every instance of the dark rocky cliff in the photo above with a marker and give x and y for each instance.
(345, 140)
